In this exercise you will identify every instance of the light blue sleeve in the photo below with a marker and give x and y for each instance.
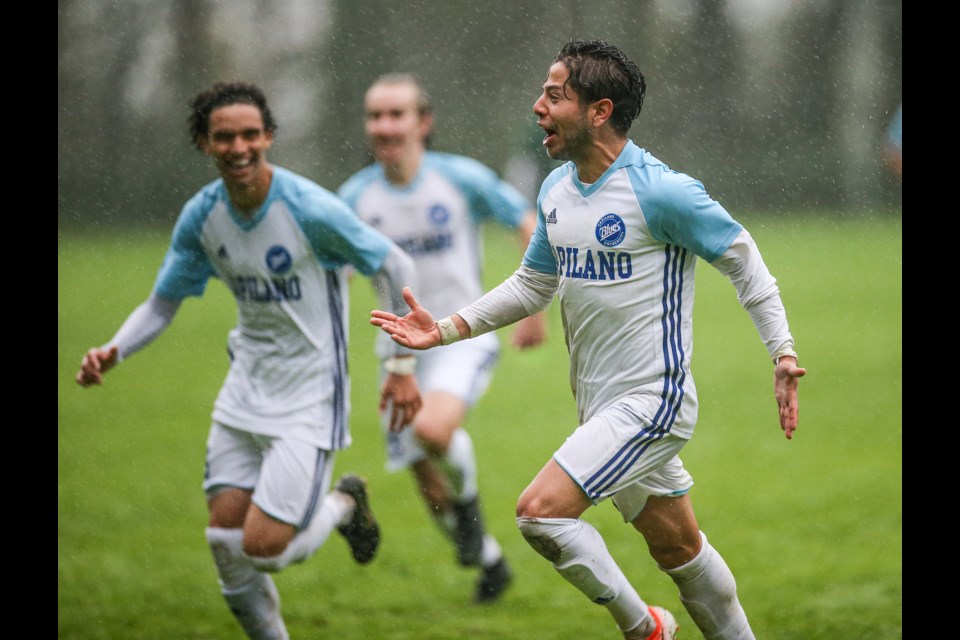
(337, 233)
(186, 268)
(488, 195)
(539, 255)
(351, 190)
(679, 211)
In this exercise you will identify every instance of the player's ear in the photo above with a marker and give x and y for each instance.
(267, 139)
(600, 111)
(203, 143)
(426, 124)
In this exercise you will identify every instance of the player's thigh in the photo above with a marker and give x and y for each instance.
(231, 470)
(294, 478)
(618, 451)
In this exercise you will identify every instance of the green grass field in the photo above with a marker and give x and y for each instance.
(812, 527)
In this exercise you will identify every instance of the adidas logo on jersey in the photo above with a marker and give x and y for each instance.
(552, 217)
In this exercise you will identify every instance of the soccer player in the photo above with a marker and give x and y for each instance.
(281, 244)
(432, 205)
(617, 239)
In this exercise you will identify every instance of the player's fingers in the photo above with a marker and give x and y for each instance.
(409, 299)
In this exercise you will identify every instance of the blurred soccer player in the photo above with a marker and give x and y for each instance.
(280, 243)
(617, 239)
(432, 205)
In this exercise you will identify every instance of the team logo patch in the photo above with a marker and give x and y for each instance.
(438, 214)
(611, 230)
(278, 259)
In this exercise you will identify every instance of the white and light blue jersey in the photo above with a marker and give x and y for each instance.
(625, 248)
(436, 219)
(288, 370)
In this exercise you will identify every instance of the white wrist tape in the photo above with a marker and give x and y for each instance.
(401, 366)
(448, 331)
(785, 350)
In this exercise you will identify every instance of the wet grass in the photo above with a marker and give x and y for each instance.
(812, 528)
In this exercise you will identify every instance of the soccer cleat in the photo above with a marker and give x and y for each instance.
(666, 624)
(493, 581)
(362, 532)
(468, 537)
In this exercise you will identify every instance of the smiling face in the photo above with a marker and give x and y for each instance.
(395, 127)
(237, 142)
(560, 114)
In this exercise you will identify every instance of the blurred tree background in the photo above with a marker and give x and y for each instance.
(775, 105)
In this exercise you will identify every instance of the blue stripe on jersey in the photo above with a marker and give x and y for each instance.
(319, 473)
(335, 304)
(673, 380)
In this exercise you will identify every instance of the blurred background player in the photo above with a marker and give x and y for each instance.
(280, 243)
(432, 205)
(618, 237)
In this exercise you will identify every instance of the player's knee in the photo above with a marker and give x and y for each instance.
(264, 548)
(531, 505)
(673, 551)
(433, 437)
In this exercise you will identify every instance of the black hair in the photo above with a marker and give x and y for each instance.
(223, 94)
(600, 70)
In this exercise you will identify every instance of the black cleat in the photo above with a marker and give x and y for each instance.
(469, 534)
(493, 582)
(362, 532)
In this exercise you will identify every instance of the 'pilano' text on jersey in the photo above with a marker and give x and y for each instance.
(260, 289)
(574, 262)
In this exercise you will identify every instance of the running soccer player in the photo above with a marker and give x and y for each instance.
(432, 205)
(280, 243)
(618, 236)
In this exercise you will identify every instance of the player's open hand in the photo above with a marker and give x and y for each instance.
(95, 363)
(416, 330)
(786, 379)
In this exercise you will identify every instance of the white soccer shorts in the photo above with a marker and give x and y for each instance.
(289, 478)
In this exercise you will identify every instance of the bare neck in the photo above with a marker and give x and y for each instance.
(598, 158)
(247, 198)
(402, 172)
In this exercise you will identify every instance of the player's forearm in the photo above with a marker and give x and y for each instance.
(143, 325)
(757, 291)
(524, 293)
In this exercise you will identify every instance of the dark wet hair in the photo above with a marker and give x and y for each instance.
(223, 94)
(600, 70)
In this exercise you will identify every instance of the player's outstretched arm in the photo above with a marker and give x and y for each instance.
(95, 363)
(416, 330)
(786, 380)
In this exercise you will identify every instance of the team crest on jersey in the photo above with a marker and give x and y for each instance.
(438, 214)
(278, 259)
(552, 217)
(610, 230)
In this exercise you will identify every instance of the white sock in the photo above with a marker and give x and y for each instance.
(709, 593)
(492, 552)
(251, 595)
(460, 466)
(333, 511)
(579, 554)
